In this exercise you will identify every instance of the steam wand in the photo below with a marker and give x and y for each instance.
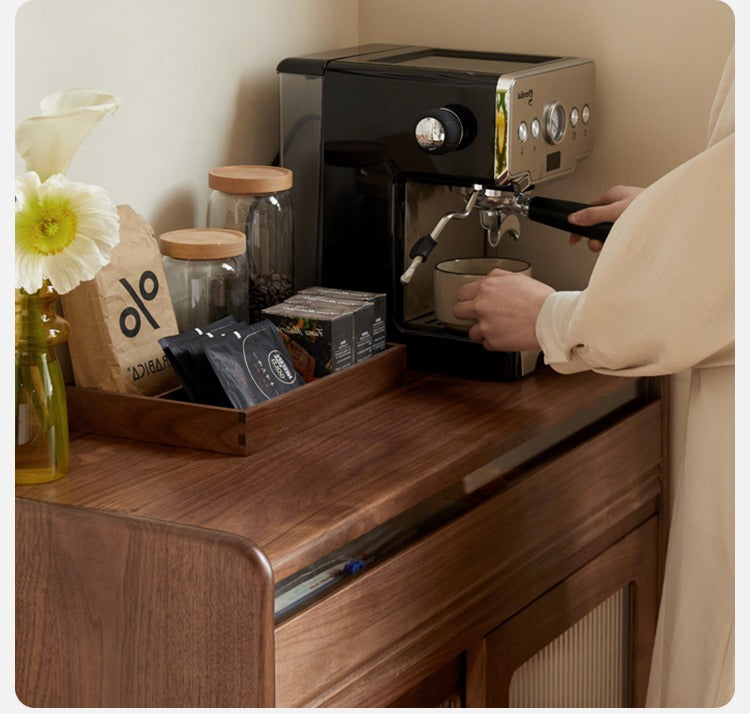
(423, 247)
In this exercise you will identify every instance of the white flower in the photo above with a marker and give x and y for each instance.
(65, 232)
(48, 142)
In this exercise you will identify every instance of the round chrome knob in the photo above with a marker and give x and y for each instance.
(439, 131)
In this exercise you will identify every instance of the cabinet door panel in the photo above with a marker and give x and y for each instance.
(545, 633)
(443, 688)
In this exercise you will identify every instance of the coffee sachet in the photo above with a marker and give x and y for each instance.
(188, 359)
(252, 364)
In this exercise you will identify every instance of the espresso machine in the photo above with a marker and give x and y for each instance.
(407, 156)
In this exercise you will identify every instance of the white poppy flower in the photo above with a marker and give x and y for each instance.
(48, 142)
(65, 232)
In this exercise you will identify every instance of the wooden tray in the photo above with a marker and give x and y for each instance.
(166, 420)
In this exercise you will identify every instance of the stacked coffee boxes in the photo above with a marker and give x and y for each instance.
(327, 329)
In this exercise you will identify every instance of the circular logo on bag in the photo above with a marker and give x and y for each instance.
(280, 368)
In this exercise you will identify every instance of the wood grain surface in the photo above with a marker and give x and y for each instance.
(425, 605)
(138, 613)
(145, 576)
(315, 491)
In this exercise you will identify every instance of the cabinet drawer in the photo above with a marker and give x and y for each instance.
(374, 638)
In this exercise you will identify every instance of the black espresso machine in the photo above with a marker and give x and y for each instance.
(393, 147)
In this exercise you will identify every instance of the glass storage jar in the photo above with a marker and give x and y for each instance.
(207, 275)
(257, 201)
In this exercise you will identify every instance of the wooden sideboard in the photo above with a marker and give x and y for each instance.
(147, 576)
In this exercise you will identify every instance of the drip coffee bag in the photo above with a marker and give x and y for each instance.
(188, 358)
(252, 364)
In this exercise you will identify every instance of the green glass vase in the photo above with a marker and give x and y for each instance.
(42, 441)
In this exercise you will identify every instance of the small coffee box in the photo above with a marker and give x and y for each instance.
(326, 336)
(378, 301)
(363, 318)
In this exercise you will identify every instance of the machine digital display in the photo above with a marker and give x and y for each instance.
(553, 161)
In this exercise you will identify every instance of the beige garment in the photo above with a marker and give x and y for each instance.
(661, 301)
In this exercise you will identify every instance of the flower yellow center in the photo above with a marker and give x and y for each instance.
(47, 227)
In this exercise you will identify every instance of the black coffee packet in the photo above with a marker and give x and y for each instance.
(186, 354)
(252, 364)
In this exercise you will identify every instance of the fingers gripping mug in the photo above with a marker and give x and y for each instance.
(450, 275)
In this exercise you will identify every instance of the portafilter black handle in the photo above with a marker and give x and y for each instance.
(554, 212)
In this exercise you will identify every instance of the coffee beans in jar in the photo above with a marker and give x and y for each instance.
(267, 289)
(257, 200)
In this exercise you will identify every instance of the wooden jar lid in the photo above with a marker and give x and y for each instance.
(202, 243)
(253, 180)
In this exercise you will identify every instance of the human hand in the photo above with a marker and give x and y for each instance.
(505, 306)
(607, 208)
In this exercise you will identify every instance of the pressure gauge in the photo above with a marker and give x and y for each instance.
(554, 122)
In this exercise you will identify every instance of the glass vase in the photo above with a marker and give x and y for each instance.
(42, 441)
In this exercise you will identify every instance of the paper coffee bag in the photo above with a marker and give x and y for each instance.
(117, 318)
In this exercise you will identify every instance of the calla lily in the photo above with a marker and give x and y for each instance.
(48, 142)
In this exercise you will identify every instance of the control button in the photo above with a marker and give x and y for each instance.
(574, 116)
(536, 127)
(439, 131)
(523, 132)
(585, 113)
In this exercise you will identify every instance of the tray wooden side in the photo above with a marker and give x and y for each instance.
(232, 431)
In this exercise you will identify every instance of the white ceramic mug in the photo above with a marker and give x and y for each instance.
(450, 275)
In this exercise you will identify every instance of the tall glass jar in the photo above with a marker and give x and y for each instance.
(207, 275)
(257, 200)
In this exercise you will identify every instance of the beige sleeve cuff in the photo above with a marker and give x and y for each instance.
(553, 331)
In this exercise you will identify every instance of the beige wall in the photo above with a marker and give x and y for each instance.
(197, 79)
(199, 88)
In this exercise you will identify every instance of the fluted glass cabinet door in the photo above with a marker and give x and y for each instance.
(584, 643)
(586, 666)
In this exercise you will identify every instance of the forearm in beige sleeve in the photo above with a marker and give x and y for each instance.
(661, 297)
